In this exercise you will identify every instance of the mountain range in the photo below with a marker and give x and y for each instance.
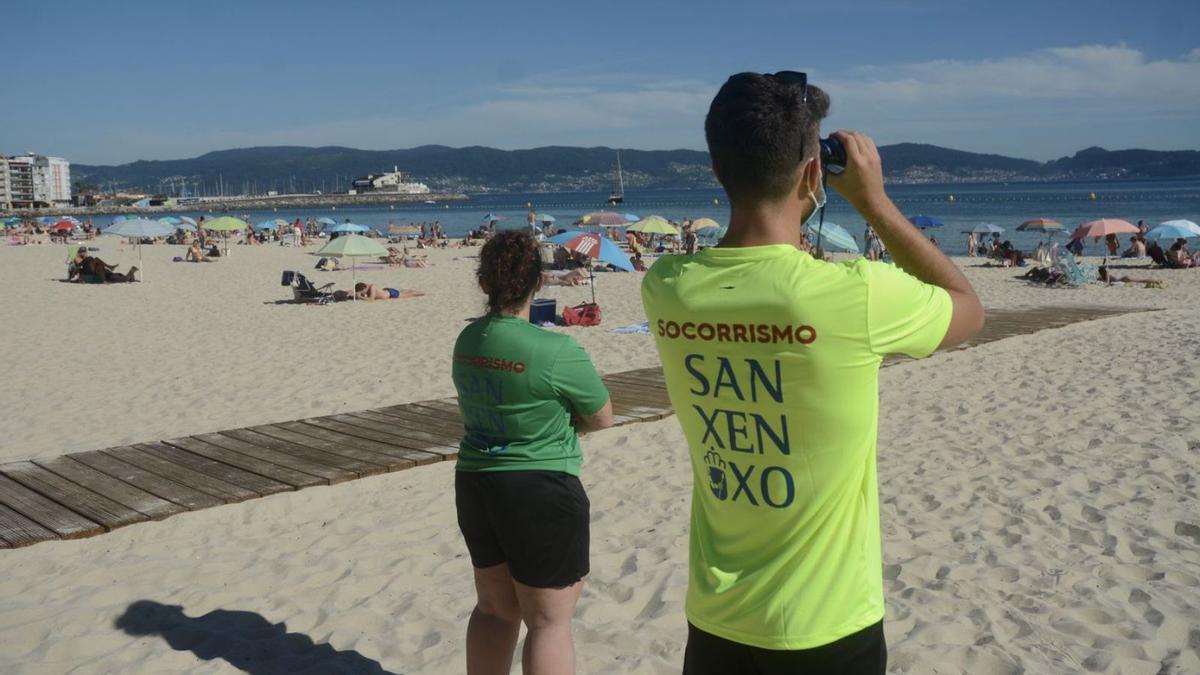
(556, 168)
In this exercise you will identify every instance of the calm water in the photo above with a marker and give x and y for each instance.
(1000, 204)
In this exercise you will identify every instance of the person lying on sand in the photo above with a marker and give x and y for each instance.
(86, 269)
(372, 292)
(1109, 279)
(575, 277)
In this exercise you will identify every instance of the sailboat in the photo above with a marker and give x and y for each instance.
(618, 195)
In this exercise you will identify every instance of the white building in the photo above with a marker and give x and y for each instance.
(38, 180)
(5, 193)
(392, 181)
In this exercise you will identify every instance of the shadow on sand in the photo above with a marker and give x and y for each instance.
(245, 640)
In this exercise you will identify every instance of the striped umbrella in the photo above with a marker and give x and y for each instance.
(602, 219)
(1042, 225)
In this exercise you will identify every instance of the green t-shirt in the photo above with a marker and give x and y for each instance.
(771, 360)
(518, 386)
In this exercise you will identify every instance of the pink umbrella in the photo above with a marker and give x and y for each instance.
(601, 219)
(1103, 227)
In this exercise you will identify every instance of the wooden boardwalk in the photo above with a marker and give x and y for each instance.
(88, 493)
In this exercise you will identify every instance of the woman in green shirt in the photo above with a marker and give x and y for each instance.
(525, 394)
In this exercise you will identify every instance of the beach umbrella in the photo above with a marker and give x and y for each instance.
(1046, 225)
(281, 222)
(705, 224)
(601, 219)
(1103, 227)
(189, 221)
(48, 220)
(545, 218)
(985, 228)
(926, 222)
(1175, 229)
(352, 246)
(653, 225)
(63, 225)
(1182, 225)
(829, 235)
(225, 225)
(491, 218)
(348, 227)
(266, 225)
(594, 245)
(138, 228)
(630, 217)
(326, 220)
(170, 220)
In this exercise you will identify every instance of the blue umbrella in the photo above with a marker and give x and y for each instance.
(1175, 229)
(925, 222)
(344, 227)
(985, 228)
(833, 236)
(545, 218)
(139, 227)
(326, 220)
(170, 220)
(631, 217)
(607, 252)
(266, 225)
(491, 218)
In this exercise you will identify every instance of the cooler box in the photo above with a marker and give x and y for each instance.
(543, 310)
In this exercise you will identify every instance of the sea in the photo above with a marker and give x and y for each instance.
(960, 206)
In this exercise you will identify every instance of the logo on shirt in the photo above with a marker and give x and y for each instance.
(716, 475)
(491, 363)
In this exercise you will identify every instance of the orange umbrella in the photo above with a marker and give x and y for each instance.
(1103, 227)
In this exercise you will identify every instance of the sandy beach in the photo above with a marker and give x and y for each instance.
(1039, 494)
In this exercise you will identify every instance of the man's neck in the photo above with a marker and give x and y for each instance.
(764, 224)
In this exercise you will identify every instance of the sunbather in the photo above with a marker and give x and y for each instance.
(372, 292)
(196, 254)
(1178, 256)
(575, 277)
(1109, 279)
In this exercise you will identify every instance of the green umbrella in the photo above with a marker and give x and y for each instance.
(653, 225)
(225, 224)
(352, 246)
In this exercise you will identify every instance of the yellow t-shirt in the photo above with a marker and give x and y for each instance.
(771, 360)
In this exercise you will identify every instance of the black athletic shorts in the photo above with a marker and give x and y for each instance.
(536, 521)
(861, 653)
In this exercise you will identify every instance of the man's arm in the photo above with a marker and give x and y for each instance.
(862, 185)
(601, 419)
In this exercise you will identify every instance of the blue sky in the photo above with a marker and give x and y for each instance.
(111, 82)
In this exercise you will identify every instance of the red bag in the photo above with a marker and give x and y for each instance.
(587, 314)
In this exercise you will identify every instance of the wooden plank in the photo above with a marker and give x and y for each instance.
(435, 453)
(275, 472)
(93, 507)
(421, 416)
(390, 425)
(127, 465)
(345, 460)
(655, 391)
(303, 460)
(332, 435)
(232, 484)
(119, 491)
(379, 461)
(637, 377)
(640, 399)
(449, 413)
(16, 530)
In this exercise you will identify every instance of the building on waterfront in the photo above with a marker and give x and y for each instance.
(5, 193)
(38, 181)
(392, 181)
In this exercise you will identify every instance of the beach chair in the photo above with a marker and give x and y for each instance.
(1074, 273)
(306, 291)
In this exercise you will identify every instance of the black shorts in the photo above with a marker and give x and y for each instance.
(861, 653)
(536, 521)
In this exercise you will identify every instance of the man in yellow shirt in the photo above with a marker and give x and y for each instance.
(771, 360)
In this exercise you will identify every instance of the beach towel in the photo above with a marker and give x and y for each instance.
(642, 328)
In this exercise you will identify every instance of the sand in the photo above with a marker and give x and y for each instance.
(1039, 494)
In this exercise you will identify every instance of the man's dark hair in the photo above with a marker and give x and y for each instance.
(759, 129)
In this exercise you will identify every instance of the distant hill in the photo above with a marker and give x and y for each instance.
(478, 169)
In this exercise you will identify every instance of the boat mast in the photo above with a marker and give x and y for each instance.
(620, 178)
